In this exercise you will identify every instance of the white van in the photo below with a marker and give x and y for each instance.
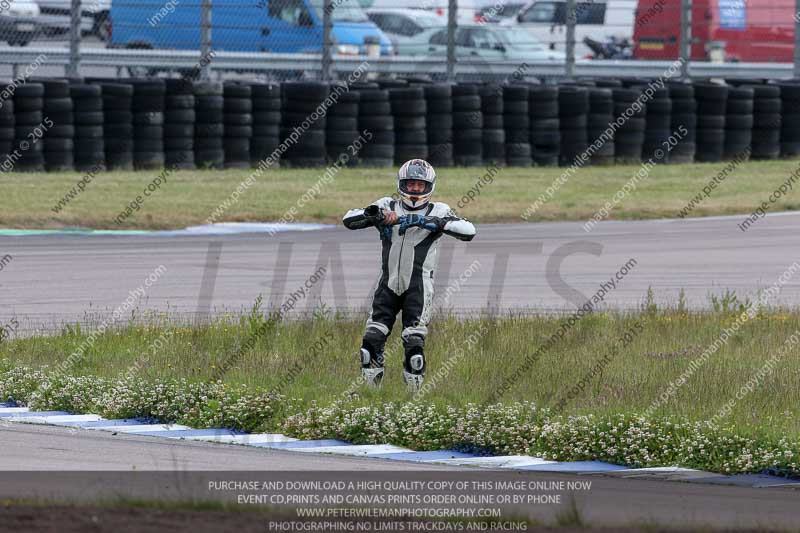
(598, 20)
(467, 9)
(95, 20)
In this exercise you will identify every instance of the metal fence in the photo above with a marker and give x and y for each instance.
(438, 39)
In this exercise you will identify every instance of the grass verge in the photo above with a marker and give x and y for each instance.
(189, 197)
(297, 376)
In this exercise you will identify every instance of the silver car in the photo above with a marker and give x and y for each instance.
(490, 43)
(402, 24)
(19, 21)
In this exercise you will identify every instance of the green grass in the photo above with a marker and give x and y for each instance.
(285, 361)
(189, 197)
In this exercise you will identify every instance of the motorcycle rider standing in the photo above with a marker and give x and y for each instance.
(409, 230)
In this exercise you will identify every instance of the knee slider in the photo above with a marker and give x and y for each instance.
(415, 358)
(372, 348)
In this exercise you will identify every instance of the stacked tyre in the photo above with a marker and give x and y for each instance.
(467, 126)
(58, 126)
(609, 83)
(303, 121)
(148, 124)
(658, 126)
(28, 115)
(712, 102)
(118, 125)
(342, 129)
(573, 110)
(409, 110)
(439, 123)
(683, 122)
(363, 86)
(517, 126)
(598, 129)
(266, 123)
(375, 116)
(209, 110)
(391, 83)
(767, 122)
(545, 126)
(494, 134)
(629, 137)
(6, 134)
(89, 127)
(790, 127)
(739, 124)
(179, 119)
(238, 124)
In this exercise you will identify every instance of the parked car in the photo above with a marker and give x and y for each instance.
(285, 26)
(95, 19)
(467, 9)
(402, 24)
(492, 43)
(19, 22)
(756, 30)
(499, 11)
(598, 20)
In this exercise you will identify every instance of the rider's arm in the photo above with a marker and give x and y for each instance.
(444, 220)
(365, 217)
(455, 226)
(460, 228)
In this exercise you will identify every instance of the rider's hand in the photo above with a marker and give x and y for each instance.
(432, 224)
(390, 217)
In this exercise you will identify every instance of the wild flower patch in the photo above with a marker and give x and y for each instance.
(197, 404)
(516, 428)
(522, 428)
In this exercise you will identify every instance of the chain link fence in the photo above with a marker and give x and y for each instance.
(435, 39)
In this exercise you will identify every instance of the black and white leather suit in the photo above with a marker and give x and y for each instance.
(407, 267)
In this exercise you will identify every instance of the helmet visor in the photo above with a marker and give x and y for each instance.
(412, 187)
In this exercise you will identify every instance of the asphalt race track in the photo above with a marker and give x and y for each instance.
(608, 501)
(541, 266)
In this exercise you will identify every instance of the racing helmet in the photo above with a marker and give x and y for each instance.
(416, 169)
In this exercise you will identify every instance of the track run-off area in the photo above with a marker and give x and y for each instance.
(543, 267)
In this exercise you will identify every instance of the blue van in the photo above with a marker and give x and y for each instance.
(281, 26)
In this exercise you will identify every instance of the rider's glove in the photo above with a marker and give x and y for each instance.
(433, 224)
(407, 221)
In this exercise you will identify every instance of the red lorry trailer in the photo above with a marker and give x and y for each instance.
(738, 30)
